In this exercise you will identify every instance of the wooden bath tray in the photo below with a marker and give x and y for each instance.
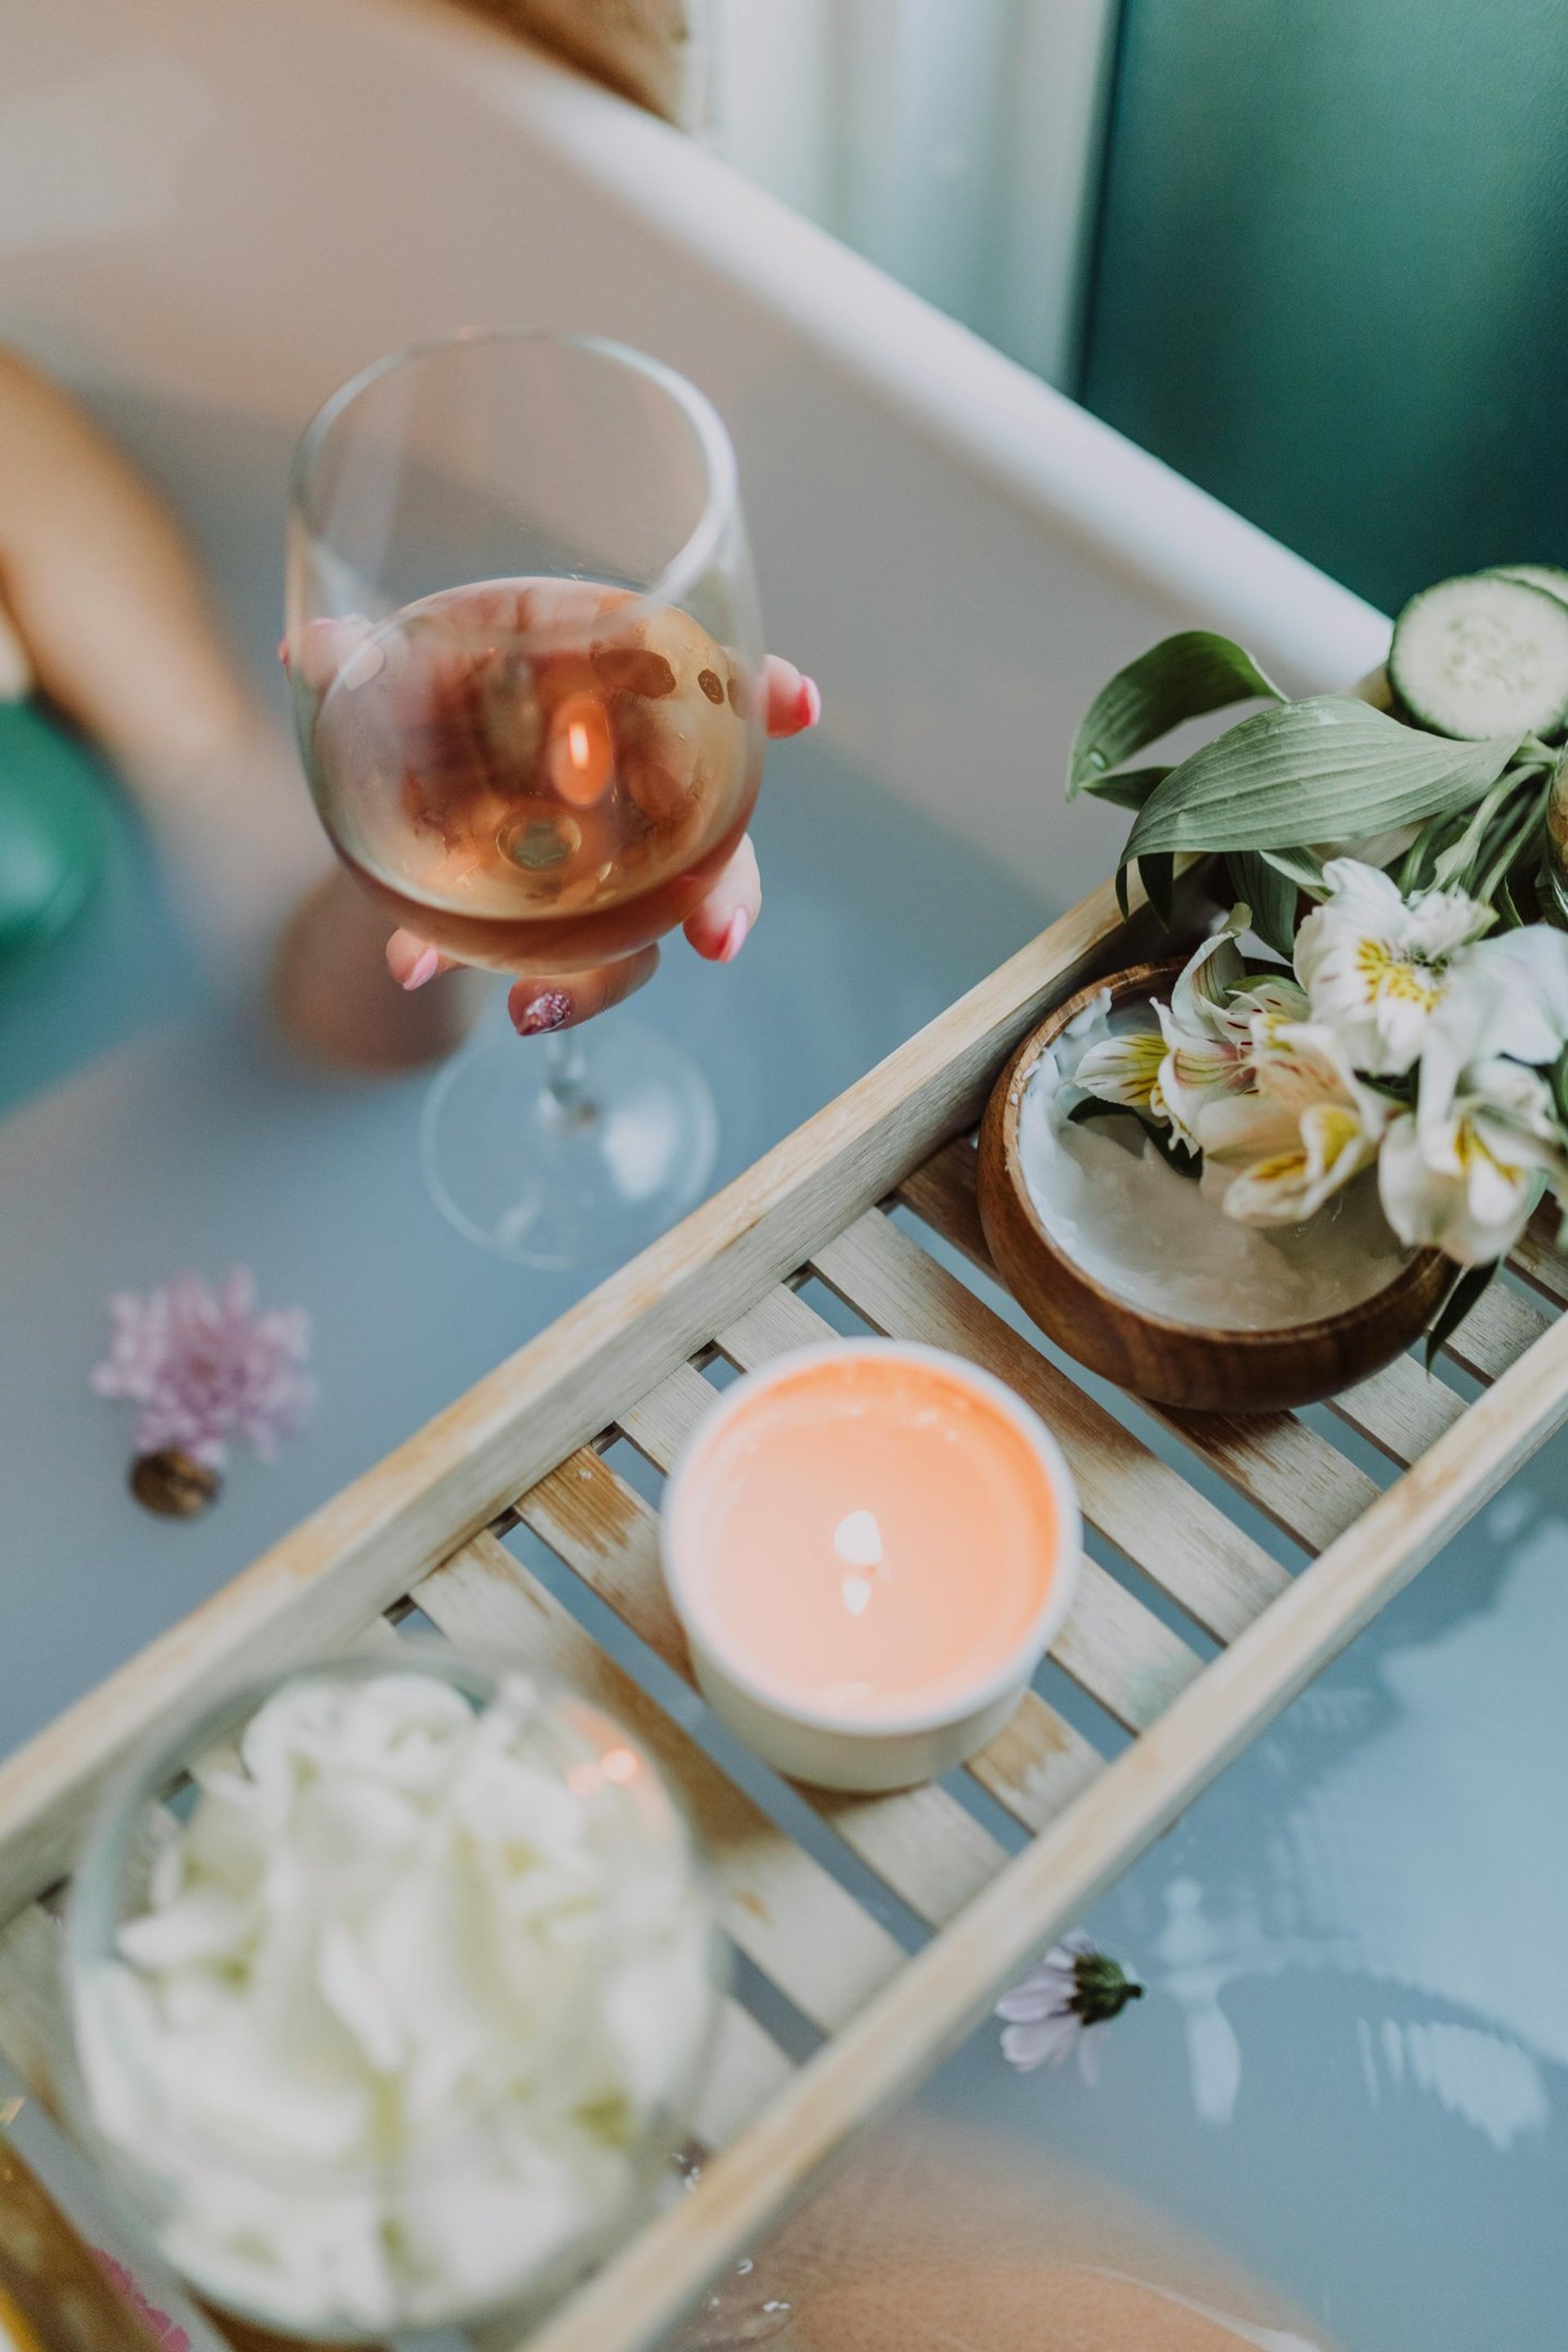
(874, 1931)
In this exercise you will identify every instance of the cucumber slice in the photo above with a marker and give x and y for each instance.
(1534, 575)
(1483, 657)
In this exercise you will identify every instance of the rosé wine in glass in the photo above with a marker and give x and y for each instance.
(538, 775)
(527, 664)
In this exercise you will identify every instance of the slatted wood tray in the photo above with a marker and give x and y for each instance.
(1232, 1559)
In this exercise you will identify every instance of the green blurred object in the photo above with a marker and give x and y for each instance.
(1329, 273)
(53, 829)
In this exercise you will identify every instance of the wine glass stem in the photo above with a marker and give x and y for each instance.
(565, 1069)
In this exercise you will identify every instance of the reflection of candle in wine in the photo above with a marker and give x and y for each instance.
(581, 751)
(870, 1546)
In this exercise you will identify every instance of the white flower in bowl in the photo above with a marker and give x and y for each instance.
(1125, 1069)
(1505, 995)
(1201, 1054)
(1310, 1126)
(1207, 1030)
(1376, 967)
(1198, 1052)
(1462, 1174)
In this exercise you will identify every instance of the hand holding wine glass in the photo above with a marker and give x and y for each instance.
(717, 929)
(436, 688)
(530, 696)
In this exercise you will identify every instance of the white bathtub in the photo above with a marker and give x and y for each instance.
(211, 211)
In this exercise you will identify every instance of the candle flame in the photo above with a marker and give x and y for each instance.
(582, 754)
(858, 1539)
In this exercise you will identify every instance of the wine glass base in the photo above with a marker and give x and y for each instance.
(567, 1164)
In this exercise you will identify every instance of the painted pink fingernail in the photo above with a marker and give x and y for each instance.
(735, 935)
(425, 968)
(551, 1010)
(810, 702)
(365, 662)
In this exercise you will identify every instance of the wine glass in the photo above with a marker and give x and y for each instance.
(527, 668)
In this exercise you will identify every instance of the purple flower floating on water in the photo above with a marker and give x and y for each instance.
(1063, 2004)
(205, 1367)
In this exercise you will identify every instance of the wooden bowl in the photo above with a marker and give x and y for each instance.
(1197, 1366)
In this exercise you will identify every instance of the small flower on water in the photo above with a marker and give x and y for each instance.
(205, 1367)
(1063, 2005)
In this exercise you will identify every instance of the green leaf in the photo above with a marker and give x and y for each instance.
(1505, 847)
(1128, 787)
(1157, 872)
(1415, 868)
(1327, 769)
(1304, 868)
(1182, 677)
(1472, 1282)
(1452, 869)
(1272, 895)
(1560, 1085)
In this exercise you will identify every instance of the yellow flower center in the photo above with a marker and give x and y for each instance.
(1283, 1169)
(1471, 1148)
(1384, 974)
(1145, 1051)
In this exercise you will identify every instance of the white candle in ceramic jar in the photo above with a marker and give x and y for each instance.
(870, 1545)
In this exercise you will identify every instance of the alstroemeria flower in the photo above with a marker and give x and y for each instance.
(1207, 1029)
(1505, 995)
(1376, 967)
(1125, 1069)
(1464, 1177)
(1310, 1127)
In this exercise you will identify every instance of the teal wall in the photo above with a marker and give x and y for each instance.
(1331, 277)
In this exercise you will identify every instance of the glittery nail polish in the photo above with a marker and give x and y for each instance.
(551, 1010)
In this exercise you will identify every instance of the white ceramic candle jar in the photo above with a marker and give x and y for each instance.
(870, 1545)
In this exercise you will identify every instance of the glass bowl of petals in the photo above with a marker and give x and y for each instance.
(392, 1982)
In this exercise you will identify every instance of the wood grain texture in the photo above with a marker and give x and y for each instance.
(373, 1541)
(1193, 1367)
(1174, 1534)
(1401, 1410)
(1496, 1333)
(787, 1913)
(1298, 1480)
(1537, 1258)
(921, 1842)
(944, 1990)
